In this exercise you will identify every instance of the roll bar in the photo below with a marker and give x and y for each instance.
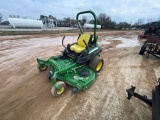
(95, 23)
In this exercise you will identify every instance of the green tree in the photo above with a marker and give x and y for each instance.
(67, 21)
(122, 25)
(51, 16)
(42, 17)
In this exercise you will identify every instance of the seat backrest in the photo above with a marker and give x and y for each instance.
(85, 37)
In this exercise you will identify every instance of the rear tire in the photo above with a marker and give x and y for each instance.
(57, 93)
(96, 64)
(143, 49)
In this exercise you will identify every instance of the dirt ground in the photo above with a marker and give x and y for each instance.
(25, 92)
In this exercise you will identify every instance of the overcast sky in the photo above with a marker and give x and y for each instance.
(118, 10)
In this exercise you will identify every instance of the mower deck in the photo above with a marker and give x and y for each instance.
(66, 70)
(76, 78)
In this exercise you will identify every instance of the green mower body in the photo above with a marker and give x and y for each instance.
(69, 72)
(79, 70)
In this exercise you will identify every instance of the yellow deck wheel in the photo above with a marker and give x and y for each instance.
(42, 67)
(56, 92)
(60, 91)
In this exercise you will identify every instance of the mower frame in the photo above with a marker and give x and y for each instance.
(67, 69)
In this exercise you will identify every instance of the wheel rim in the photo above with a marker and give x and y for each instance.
(60, 91)
(43, 67)
(99, 66)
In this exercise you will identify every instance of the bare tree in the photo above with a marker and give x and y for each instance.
(101, 18)
(105, 21)
(67, 21)
(122, 25)
(84, 20)
(1, 17)
(73, 22)
(140, 21)
(52, 17)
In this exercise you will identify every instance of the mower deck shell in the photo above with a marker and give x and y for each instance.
(68, 71)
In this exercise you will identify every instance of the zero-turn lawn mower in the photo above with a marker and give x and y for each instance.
(152, 45)
(78, 64)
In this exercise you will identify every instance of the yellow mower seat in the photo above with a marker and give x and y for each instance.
(80, 46)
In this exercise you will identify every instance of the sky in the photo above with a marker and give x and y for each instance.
(119, 10)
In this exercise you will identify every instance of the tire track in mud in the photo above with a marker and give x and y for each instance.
(125, 108)
(114, 103)
(16, 74)
(130, 73)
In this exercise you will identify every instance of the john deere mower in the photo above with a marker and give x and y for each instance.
(78, 64)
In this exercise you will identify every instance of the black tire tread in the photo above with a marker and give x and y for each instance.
(143, 49)
(94, 63)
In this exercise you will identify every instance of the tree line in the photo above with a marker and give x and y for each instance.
(102, 19)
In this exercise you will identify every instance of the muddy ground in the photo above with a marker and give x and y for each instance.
(25, 92)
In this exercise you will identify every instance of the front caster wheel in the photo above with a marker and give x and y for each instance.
(42, 67)
(56, 92)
